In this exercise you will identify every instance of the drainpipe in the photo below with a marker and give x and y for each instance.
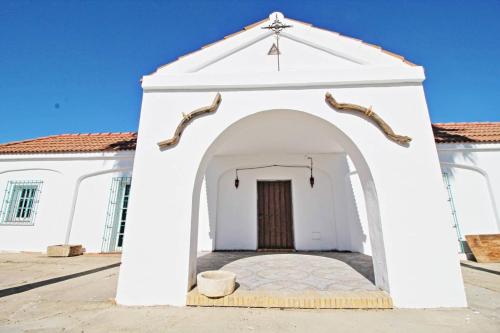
(488, 185)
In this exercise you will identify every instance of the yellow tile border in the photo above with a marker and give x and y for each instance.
(303, 300)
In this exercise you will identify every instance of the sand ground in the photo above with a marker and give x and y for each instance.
(40, 294)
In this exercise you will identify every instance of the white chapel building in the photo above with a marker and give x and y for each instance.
(283, 136)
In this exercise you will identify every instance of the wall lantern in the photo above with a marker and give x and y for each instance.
(311, 179)
(236, 181)
(310, 167)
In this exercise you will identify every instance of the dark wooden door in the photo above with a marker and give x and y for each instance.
(274, 214)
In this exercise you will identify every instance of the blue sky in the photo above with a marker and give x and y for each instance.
(74, 66)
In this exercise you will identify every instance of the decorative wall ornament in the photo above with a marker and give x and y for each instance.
(187, 119)
(401, 139)
(276, 27)
(273, 50)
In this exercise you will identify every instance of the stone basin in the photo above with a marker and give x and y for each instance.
(216, 283)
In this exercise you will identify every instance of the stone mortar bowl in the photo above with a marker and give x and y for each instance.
(216, 283)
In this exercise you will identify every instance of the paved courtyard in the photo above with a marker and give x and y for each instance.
(319, 271)
(39, 294)
(326, 280)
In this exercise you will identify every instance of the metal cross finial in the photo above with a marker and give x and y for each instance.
(277, 27)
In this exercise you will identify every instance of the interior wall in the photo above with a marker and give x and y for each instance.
(360, 240)
(325, 217)
(206, 229)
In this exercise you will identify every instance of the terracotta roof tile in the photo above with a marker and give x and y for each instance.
(487, 132)
(73, 143)
(466, 132)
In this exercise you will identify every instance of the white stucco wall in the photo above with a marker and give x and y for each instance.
(357, 213)
(472, 169)
(401, 197)
(321, 222)
(49, 224)
(474, 175)
(288, 46)
(91, 210)
(61, 173)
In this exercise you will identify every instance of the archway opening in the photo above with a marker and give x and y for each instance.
(338, 212)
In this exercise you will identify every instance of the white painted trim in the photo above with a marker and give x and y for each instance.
(262, 36)
(228, 53)
(30, 169)
(365, 75)
(127, 154)
(488, 184)
(463, 147)
(343, 55)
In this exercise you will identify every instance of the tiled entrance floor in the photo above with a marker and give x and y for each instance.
(300, 279)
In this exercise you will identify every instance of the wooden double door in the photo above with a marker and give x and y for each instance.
(274, 215)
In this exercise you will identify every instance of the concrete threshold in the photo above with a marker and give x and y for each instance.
(309, 299)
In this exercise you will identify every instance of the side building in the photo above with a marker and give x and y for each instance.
(469, 154)
(70, 188)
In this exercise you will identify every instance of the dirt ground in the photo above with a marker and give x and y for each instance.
(40, 294)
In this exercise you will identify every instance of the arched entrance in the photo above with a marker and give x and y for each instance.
(325, 216)
(400, 186)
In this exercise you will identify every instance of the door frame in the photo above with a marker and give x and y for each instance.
(257, 209)
(113, 215)
(118, 218)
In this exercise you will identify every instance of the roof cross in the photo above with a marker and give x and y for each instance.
(277, 27)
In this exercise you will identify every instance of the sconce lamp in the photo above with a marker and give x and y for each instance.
(310, 167)
(311, 179)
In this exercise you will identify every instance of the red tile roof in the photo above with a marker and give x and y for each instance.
(109, 142)
(466, 132)
(72, 143)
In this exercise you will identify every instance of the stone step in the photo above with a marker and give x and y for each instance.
(301, 300)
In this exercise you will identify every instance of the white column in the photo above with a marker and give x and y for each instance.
(156, 256)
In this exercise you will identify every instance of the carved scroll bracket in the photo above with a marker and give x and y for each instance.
(401, 139)
(187, 119)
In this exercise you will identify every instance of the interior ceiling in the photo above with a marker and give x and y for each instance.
(278, 131)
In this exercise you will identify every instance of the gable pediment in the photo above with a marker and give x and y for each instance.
(293, 55)
(301, 47)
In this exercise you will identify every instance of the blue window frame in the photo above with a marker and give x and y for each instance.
(114, 230)
(20, 202)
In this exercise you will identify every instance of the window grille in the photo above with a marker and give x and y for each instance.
(451, 201)
(20, 202)
(114, 230)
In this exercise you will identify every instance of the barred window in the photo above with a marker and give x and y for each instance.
(20, 202)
